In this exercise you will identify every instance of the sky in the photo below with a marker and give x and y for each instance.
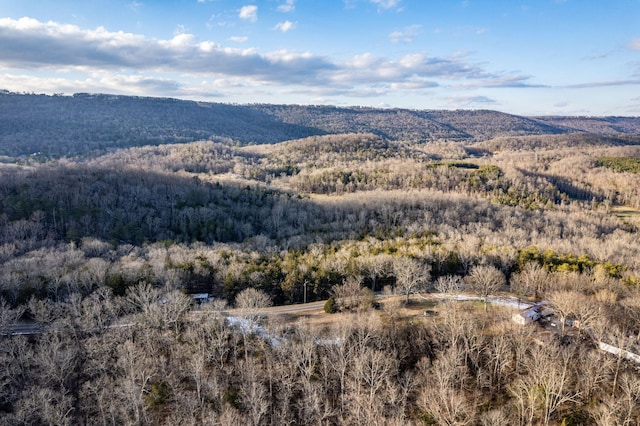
(535, 57)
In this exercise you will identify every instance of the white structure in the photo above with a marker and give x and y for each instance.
(620, 352)
(534, 313)
(201, 298)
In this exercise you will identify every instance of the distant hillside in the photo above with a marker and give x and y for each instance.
(484, 124)
(54, 126)
(571, 140)
(62, 125)
(413, 125)
(597, 125)
(395, 124)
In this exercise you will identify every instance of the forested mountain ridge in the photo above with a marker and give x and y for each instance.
(56, 126)
(595, 125)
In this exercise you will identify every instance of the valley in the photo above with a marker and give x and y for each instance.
(115, 207)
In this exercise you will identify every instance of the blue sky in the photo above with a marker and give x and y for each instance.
(537, 57)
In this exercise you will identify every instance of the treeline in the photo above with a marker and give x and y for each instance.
(70, 203)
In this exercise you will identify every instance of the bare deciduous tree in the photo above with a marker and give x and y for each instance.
(250, 302)
(443, 398)
(367, 383)
(532, 280)
(629, 399)
(253, 391)
(485, 280)
(546, 386)
(136, 371)
(43, 311)
(448, 284)
(375, 267)
(145, 298)
(584, 310)
(8, 315)
(174, 307)
(99, 309)
(351, 295)
(411, 275)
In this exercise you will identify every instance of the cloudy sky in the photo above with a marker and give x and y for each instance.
(570, 57)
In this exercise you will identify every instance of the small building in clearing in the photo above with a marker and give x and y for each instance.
(200, 298)
(534, 313)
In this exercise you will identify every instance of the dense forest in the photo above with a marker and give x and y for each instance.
(114, 210)
(63, 126)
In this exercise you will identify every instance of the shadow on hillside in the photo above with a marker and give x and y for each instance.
(566, 186)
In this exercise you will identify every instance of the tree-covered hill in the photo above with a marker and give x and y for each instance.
(567, 140)
(57, 126)
(597, 125)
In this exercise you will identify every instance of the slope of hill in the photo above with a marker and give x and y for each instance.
(571, 140)
(597, 125)
(65, 126)
(484, 124)
(56, 126)
(395, 124)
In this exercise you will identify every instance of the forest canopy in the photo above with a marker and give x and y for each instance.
(115, 211)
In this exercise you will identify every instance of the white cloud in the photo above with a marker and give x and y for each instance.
(414, 84)
(365, 60)
(607, 83)
(249, 13)
(635, 44)
(470, 101)
(208, 46)
(406, 35)
(288, 6)
(417, 67)
(97, 83)
(285, 26)
(499, 81)
(285, 55)
(386, 4)
(30, 44)
(411, 61)
(136, 63)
